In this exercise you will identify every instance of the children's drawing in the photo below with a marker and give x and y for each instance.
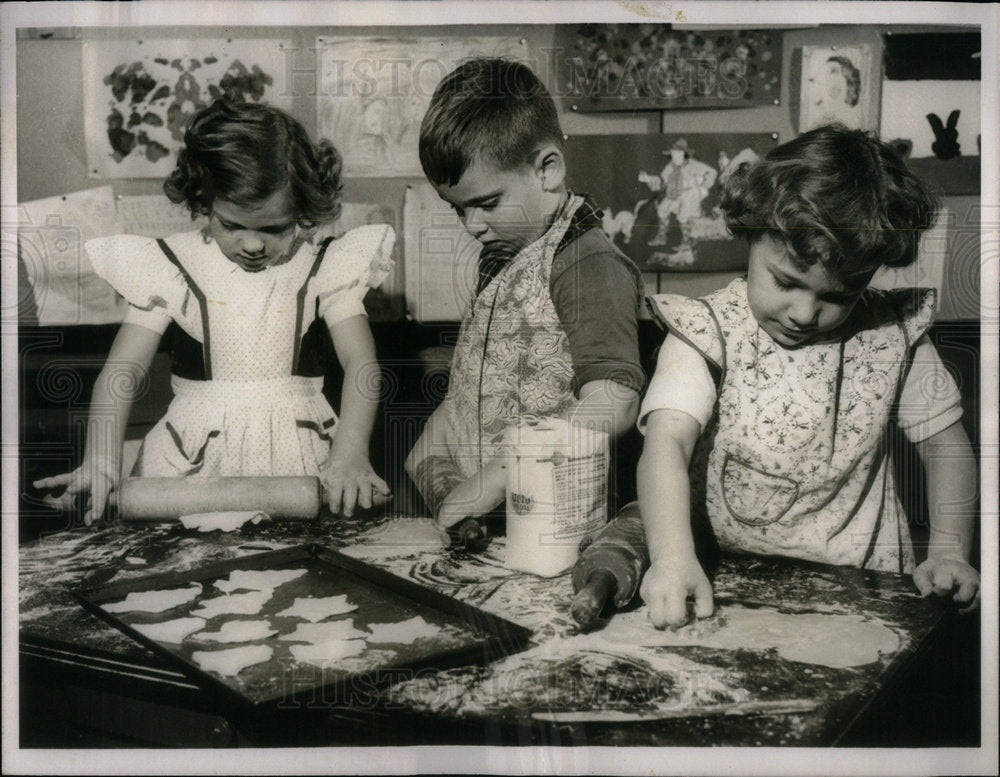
(139, 95)
(660, 194)
(837, 87)
(616, 67)
(373, 93)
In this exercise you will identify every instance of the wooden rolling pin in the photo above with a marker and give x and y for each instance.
(158, 499)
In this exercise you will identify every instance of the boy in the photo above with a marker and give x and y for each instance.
(552, 330)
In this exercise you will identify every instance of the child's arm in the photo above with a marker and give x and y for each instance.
(603, 405)
(124, 374)
(347, 473)
(665, 506)
(429, 466)
(951, 496)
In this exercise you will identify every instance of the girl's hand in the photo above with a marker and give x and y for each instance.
(949, 576)
(98, 479)
(351, 482)
(665, 589)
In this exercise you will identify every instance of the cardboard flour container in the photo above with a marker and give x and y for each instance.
(557, 493)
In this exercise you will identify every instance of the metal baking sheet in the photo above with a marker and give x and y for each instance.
(465, 636)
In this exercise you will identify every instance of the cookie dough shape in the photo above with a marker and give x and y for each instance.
(315, 609)
(323, 654)
(402, 632)
(173, 631)
(154, 601)
(238, 631)
(330, 631)
(249, 603)
(257, 579)
(231, 662)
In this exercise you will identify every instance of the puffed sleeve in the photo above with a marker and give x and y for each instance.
(358, 260)
(138, 270)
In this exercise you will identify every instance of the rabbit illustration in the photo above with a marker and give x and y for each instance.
(945, 145)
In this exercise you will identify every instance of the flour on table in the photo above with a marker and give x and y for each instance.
(170, 631)
(221, 520)
(232, 661)
(829, 640)
(238, 631)
(257, 579)
(317, 608)
(399, 537)
(249, 603)
(330, 631)
(155, 601)
(404, 632)
(322, 654)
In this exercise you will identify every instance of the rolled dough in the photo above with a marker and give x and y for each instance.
(829, 640)
(222, 520)
(399, 537)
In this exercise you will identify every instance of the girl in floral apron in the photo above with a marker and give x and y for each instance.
(769, 408)
(254, 299)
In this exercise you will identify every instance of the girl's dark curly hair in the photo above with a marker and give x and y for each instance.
(245, 152)
(833, 195)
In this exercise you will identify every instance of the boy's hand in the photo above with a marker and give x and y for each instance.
(949, 576)
(476, 495)
(349, 482)
(98, 480)
(665, 589)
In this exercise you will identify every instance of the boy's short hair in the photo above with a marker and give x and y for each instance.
(833, 195)
(494, 110)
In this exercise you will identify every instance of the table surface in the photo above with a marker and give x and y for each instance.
(566, 687)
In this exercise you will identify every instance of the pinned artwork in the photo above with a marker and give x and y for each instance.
(660, 194)
(373, 93)
(139, 95)
(837, 87)
(622, 67)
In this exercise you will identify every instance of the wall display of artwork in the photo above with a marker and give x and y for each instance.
(50, 236)
(931, 93)
(440, 259)
(139, 94)
(660, 194)
(620, 67)
(373, 93)
(837, 86)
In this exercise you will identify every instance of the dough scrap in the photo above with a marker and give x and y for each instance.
(249, 603)
(238, 631)
(232, 661)
(315, 609)
(173, 631)
(330, 631)
(257, 579)
(322, 654)
(837, 641)
(221, 520)
(399, 537)
(404, 632)
(155, 601)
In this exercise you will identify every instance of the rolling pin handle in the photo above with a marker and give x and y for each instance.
(468, 534)
(593, 597)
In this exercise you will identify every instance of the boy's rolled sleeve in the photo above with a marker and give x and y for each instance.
(597, 299)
